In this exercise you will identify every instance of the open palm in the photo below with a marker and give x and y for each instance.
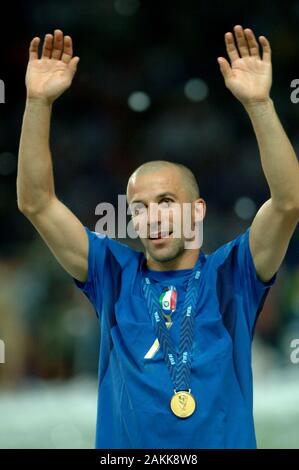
(49, 76)
(248, 76)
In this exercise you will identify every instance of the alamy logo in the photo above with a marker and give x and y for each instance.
(156, 221)
(294, 356)
(2, 352)
(2, 92)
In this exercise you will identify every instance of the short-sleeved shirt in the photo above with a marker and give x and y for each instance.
(135, 387)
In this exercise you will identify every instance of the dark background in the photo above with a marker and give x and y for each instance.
(97, 140)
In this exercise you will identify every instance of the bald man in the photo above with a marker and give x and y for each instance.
(176, 324)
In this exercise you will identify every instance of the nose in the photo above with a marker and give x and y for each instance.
(153, 213)
(153, 218)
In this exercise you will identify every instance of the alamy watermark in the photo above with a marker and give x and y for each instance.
(155, 221)
(2, 92)
(294, 356)
(295, 93)
(2, 352)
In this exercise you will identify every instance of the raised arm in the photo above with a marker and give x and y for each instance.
(249, 77)
(46, 79)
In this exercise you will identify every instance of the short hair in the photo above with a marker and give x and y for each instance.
(187, 175)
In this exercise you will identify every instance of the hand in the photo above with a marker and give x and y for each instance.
(48, 77)
(248, 76)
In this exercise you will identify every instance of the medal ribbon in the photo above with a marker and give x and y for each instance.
(178, 364)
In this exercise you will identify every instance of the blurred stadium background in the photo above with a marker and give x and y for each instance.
(148, 87)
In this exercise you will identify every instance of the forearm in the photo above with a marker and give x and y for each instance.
(278, 158)
(35, 183)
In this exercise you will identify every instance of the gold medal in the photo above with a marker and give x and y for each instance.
(183, 404)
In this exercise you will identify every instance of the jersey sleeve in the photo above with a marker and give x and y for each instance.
(93, 287)
(240, 292)
(253, 290)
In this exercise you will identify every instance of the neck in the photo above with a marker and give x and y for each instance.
(185, 260)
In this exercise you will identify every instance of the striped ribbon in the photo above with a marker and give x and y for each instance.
(178, 364)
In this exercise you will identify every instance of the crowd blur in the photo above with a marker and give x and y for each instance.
(148, 87)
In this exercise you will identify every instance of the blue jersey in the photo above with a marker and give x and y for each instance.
(135, 387)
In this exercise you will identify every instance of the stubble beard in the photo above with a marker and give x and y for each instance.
(168, 253)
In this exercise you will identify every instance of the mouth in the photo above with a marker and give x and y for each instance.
(160, 236)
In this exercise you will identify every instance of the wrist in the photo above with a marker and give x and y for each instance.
(38, 102)
(258, 105)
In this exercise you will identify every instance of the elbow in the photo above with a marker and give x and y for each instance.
(31, 205)
(21, 205)
(26, 209)
(31, 209)
(293, 208)
(290, 208)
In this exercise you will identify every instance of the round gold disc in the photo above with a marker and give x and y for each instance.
(183, 404)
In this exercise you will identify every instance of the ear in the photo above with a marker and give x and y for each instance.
(199, 210)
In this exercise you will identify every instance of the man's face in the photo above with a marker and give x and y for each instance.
(156, 200)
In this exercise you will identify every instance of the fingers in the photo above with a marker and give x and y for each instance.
(73, 64)
(57, 44)
(47, 46)
(266, 48)
(244, 44)
(252, 43)
(33, 49)
(224, 67)
(241, 41)
(67, 49)
(54, 47)
(231, 49)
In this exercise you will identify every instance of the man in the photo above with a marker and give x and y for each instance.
(176, 325)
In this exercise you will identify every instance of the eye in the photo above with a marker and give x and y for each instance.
(166, 202)
(137, 208)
